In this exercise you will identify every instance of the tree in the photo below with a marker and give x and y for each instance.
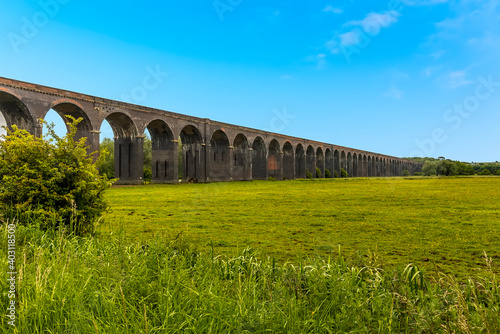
(107, 166)
(51, 180)
(430, 167)
(406, 172)
(343, 173)
(318, 173)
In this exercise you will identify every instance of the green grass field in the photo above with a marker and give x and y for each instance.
(441, 224)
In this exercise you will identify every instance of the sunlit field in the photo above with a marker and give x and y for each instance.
(446, 225)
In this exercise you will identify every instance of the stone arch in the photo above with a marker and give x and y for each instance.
(15, 112)
(349, 164)
(219, 159)
(192, 154)
(274, 160)
(320, 161)
(336, 163)
(70, 108)
(163, 152)
(241, 160)
(355, 165)
(300, 162)
(288, 161)
(343, 162)
(365, 165)
(310, 161)
(370, 166)
(259, 159)
(128, 148)
(328, 162)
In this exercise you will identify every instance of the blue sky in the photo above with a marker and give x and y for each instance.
(402, 78)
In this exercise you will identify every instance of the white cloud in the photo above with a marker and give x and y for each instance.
(394, 93)
(319, 60)
(454, 79)
(423, 2)
(374, 22)
(334, 10)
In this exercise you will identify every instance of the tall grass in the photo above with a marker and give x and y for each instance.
(84, 285)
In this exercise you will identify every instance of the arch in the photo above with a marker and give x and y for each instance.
(15, 112)
(300, 162)
(192, 155)
(365, 165)
(349, 164)
(219, 159)
(310, 161)
(128, 148)
(343, 162)
(370, 166)
(320, 162)
(354, 165)
(288, 161)
(259, 159)
(163, 152)
(328, 162)
(336, 163)
(241, 160)
(274, 160)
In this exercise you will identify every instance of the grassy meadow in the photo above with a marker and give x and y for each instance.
(395, 255)
(441, 224)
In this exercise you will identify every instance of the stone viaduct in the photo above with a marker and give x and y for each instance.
(211, 151)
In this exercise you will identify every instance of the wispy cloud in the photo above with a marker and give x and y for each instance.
(424, 2)
(319, 60)
(356, 32)
(334, 10)
(394, 93)
(454, 79)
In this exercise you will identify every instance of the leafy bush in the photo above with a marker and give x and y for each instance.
(335, 174)
(309, 174)
(343, 173)
(406, 173)
(51, 180)
(318, 173)
(485, 172)
(328, 175)
(418, 174)
(270, 178)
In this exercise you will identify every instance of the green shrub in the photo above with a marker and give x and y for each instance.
(418, 174)
(343, 173)
(406, 173)
(328, 175)
(270, 178)
(147, 174)
(335, 174)
(51, 180)
(318, 173)
(309, 174)
(485, 172)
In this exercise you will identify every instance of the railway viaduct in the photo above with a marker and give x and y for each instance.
(212, 151)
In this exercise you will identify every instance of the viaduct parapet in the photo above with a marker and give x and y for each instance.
(211, 151)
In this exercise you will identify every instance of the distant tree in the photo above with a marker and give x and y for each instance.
(147, 159)
(406, 172)
(308, 174)
(107, 166)
(430, 168)
(179, 156)
(343, 173)
(328, 175)
(318, 173)
(485, 172)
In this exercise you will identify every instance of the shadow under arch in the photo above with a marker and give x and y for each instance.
(15, 112)
(128, 149)
(241, 159)
(192, 154)
(163, 152)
